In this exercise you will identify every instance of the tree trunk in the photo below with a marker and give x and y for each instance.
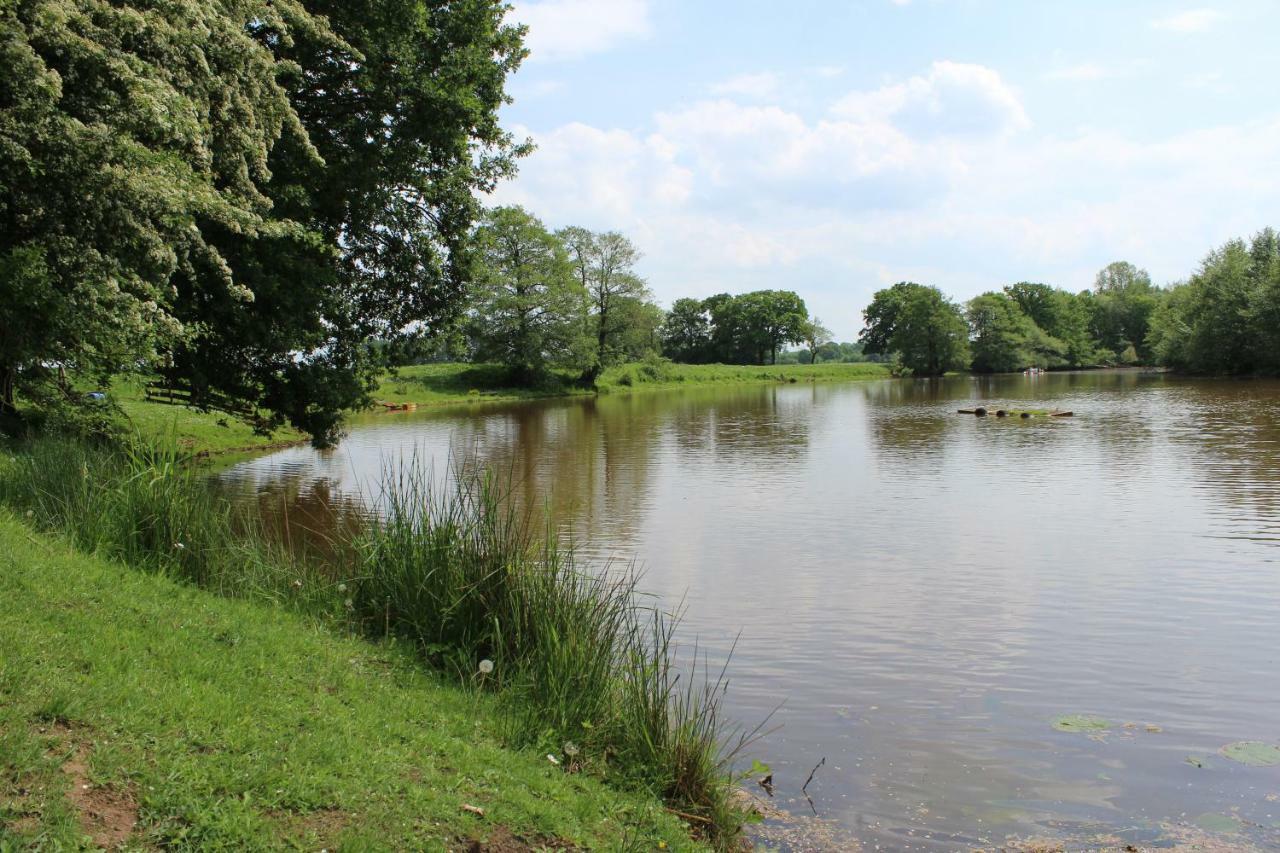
(8, 379)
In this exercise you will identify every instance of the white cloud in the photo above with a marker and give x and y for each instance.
(726, 196)
(1189, 21)
(762, 86)
(1085, 72)
(568, 29)
(954, 97)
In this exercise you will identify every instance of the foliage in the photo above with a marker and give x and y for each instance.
(816, 336)
(1225, 319)
(1006, 339)
(750, 328)
(686, 332)
(242, 194)
(527, 313)
(919, 324)
(605, 265)
(132, 139)
(1120, 310)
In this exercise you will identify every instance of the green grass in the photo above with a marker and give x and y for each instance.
(582, 667)
(218, 723)
(213, 433)
(662, 375)
(449, 384)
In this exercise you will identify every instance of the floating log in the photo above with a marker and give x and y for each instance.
(1061, 414)
(981, 411)
(396, 407)
(1001, 413)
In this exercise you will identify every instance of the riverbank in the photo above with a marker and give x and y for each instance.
(439, 385)
(452, 384)
(136, 709)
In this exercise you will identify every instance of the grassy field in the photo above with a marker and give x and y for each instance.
(663, 375)
(137, 711)
(458, 385)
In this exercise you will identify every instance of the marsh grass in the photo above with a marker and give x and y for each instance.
(585, 668)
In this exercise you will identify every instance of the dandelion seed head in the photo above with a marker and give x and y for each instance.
(342, 587)
(349, 604)
(486, 666)
(31, 513)
(570, 748)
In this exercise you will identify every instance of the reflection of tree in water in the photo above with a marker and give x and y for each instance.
(1232, 430)
(308, 515)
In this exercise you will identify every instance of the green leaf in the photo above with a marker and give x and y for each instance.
(1252, 752)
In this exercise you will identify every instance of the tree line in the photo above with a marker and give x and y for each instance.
(1225, 319)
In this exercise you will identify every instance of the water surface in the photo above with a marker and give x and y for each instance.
(928, 591)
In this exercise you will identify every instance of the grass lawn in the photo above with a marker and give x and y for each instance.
(461, 384)
(138, 712)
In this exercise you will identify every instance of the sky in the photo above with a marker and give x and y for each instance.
(834, 148)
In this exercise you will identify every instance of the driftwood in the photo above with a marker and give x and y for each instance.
(981, 411)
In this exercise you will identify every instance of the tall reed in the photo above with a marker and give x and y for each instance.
(586, 668)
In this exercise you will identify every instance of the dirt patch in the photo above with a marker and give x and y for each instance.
(319, 825)
(107, 815)
(503, 840)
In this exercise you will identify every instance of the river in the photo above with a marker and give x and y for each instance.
(925, 592)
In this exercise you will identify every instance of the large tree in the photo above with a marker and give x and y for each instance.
(686, 332)
(605, 265)
(133, 140)
(244, 193)
(528, 306)
(1121, 307)
(1006, 339)
(920, 325)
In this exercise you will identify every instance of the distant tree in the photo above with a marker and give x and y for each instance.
(769, 319)
(921, 325)
(528, 306)
(1121, 307)
(1001, 334)
(638, 322)
(816, 336)
(686, 332)
(605, 265)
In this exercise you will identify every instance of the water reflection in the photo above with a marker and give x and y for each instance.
(929, 590)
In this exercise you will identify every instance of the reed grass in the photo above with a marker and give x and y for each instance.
(585, 668)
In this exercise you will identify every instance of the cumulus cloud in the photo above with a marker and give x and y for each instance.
(763, 86)
(954, 97)
(1189, 21)
(724, 195)
(569, 29)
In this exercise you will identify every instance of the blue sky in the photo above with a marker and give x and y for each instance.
(834, 148)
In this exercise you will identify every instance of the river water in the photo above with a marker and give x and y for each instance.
(927, 592)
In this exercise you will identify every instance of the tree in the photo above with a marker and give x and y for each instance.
(769, 319)
(246, 209)
(918, 323)
(605, 264)
(528, 306)
(1121, 308)
(1006, 339)
(816, 336)
(686, 332)
(127, 150)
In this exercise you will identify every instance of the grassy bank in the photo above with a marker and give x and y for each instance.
(429, 385)
(450, 384)
(577, 666)
(137, 710)
(662, 375)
